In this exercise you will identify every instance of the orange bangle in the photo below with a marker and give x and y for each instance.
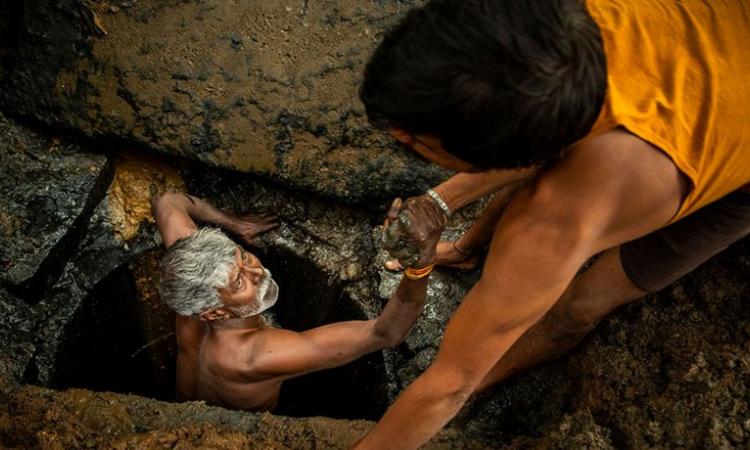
(416, 274)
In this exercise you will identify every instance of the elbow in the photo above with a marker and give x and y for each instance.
(157, 202)
(161, 201)
(394, 340)
(386, 338)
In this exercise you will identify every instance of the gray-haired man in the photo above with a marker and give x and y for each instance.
(227, 355)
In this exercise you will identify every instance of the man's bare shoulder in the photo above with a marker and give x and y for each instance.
(242, 356)
(616, 182)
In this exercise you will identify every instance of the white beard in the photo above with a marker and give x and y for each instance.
(268, 293)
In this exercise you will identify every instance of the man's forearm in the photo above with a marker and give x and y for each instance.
(402, 310)
(418, 414)
(199, 210)
(465, 188)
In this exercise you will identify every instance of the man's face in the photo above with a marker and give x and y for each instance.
(250, 289)
(431, 149)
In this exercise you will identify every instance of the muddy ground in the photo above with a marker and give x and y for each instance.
(252, 105)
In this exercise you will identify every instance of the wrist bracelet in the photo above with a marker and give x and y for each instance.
(440, 202)
(416, 274)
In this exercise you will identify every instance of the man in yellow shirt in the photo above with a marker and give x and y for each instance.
(634, 115)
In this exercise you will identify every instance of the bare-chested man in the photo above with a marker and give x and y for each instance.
(227, 355)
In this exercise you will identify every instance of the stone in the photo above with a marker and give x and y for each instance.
(17, 324)
(48, 186)
(259, 87)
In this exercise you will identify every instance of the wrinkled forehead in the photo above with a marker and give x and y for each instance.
(242, 256)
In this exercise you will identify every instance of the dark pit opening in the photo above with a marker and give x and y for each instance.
(11, 20)
(121, 340)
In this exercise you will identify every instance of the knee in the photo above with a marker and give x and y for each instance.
(573, 317)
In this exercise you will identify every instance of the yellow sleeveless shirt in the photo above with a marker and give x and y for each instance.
(678, 76)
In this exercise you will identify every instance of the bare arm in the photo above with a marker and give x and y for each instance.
(465, 188)
(590, 203)
(280, 353)
(176, 214)
(286, 354)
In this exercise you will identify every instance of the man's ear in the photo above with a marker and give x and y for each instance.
(215, 314)
(401, 135)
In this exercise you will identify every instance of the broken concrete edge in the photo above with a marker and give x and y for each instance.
(51, 268)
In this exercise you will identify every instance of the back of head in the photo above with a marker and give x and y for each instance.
(503, 83)
(194, 268)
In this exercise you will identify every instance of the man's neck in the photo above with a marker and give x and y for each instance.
(246, 323)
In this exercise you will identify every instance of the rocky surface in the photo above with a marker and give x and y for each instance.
(48, 187)
(269, 88)
(17, 323)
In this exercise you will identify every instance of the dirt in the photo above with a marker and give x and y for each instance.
(32, 417)
(269, 88)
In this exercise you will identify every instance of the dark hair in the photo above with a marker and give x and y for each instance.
(503, 83)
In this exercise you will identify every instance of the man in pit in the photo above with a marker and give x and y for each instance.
(634, 115)
(227, 354)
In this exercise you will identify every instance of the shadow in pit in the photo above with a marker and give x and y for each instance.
(121, 340)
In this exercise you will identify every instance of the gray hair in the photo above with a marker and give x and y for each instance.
(194, 268)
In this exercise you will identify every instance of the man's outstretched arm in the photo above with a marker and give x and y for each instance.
(286, 354)
(176, 214)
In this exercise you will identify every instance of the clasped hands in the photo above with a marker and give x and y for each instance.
(412, 230)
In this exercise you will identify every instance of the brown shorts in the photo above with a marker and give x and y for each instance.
(660, 258)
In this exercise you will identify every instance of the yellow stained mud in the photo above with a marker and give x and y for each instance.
(137, 178)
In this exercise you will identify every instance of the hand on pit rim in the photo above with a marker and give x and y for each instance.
(248, 227)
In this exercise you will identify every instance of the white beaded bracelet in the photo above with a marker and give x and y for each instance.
(440, 202)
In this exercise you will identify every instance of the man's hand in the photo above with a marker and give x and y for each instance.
(247, 227)
(412, 230)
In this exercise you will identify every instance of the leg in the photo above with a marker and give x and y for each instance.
(589, 298)
(624, 274)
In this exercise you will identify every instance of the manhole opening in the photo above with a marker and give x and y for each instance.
(10, 27)
(121, 339)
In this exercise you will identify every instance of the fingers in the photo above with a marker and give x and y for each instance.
(266, 226)
(395, 208)
(393, 211)
(260, 218)
(393, 265)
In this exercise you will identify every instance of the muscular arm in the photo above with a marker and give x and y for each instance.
(614, 189)
(286, 354)
(176, 214)
(465, 188)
